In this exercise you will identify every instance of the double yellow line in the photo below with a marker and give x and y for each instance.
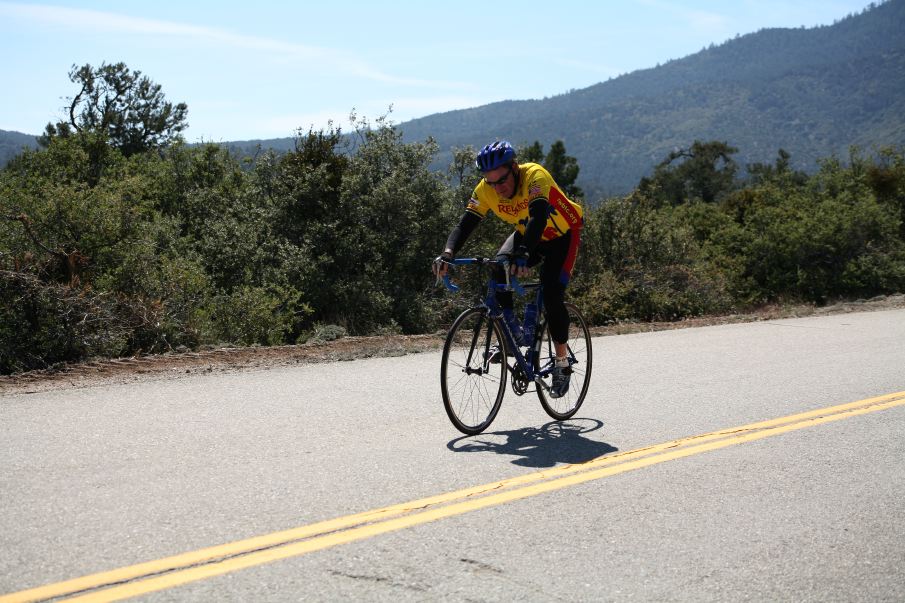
(166, 573)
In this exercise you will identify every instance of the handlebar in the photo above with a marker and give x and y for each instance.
(511, 281)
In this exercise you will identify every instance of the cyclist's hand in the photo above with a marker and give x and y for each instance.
(519, 266)
(441, 264)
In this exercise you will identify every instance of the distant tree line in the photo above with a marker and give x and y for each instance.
(117, 239)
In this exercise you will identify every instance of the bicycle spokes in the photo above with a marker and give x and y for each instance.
(476, 361)
(471, 384)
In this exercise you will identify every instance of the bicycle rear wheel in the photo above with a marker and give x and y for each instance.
(471, 384)
(580, 359)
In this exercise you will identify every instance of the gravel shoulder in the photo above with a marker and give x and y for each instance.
(231, 359)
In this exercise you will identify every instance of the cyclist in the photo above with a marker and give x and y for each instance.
(547, 229)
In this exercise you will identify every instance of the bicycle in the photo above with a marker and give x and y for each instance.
(473, 381)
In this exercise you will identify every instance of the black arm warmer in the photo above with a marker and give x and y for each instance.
(537, 221)
(462, 231)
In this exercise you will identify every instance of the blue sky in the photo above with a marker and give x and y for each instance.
(263, 69)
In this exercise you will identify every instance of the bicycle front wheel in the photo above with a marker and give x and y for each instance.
(580, 360)
(473, 371)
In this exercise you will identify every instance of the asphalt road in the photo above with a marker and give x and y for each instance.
(107, 477)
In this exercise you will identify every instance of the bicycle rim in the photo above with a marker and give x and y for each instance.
(472, 387)
(580, 357)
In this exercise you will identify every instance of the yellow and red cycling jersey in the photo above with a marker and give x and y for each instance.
(534, 182)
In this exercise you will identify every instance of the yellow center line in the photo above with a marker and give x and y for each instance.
(213, 561)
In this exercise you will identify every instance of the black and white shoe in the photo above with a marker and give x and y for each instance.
(561, 377)
(494, 355)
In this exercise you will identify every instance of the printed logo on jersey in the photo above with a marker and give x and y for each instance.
(473, 204)
(534, 189)
(513, 210)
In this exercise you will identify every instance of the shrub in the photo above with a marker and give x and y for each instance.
(42, 324)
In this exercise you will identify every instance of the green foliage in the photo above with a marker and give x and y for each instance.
(323, 333)
(827, 239)
(564, 169)
(780, 171)
(108, 254)
(641, 263)
(533, 153)
(40, 323)
(704, 171)
(122, 106)
(68, 229)
(783, 236)
(462, 173)
(250, 316)
(45, 323)
(400, 214)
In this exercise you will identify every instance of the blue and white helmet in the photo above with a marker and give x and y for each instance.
(495, 155)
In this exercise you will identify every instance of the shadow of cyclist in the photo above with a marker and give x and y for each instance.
(555, 442)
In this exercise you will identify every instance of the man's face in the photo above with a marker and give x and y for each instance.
(502, 179)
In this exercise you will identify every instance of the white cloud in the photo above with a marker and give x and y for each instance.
(706, 21)
(105, 22)
(701, 21)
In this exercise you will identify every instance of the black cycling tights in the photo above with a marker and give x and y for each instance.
(553, 255)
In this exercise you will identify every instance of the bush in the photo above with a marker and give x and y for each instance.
(324, 333)
(643, 263)
(251, 316)
(42, 324)
(106, 255)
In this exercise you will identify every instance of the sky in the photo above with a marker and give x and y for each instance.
(264, 69)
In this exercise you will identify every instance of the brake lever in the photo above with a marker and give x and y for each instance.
(447, 281)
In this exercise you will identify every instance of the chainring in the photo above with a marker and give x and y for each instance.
(519, 382)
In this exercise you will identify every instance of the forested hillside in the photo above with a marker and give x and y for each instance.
(12, 143)
(813, 92)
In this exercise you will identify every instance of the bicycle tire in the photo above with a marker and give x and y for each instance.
(580, 350)
(472, 387)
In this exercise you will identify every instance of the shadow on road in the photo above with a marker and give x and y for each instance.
(555, 442)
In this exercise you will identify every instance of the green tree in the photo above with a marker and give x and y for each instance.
(71, 229)
(703, 171)
(462, 172)
(89, 270)
(533, 153)
(397, 216)
(639, 261)
(886, 178)
(128, 109)
(780, 170)
(564, 169)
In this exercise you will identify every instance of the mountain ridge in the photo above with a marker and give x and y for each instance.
(811, 91)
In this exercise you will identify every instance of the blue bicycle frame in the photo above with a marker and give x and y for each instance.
(525, 364)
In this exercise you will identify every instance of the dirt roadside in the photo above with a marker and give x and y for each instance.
(168, 366)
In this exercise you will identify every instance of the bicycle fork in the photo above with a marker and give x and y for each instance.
(472, 349)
